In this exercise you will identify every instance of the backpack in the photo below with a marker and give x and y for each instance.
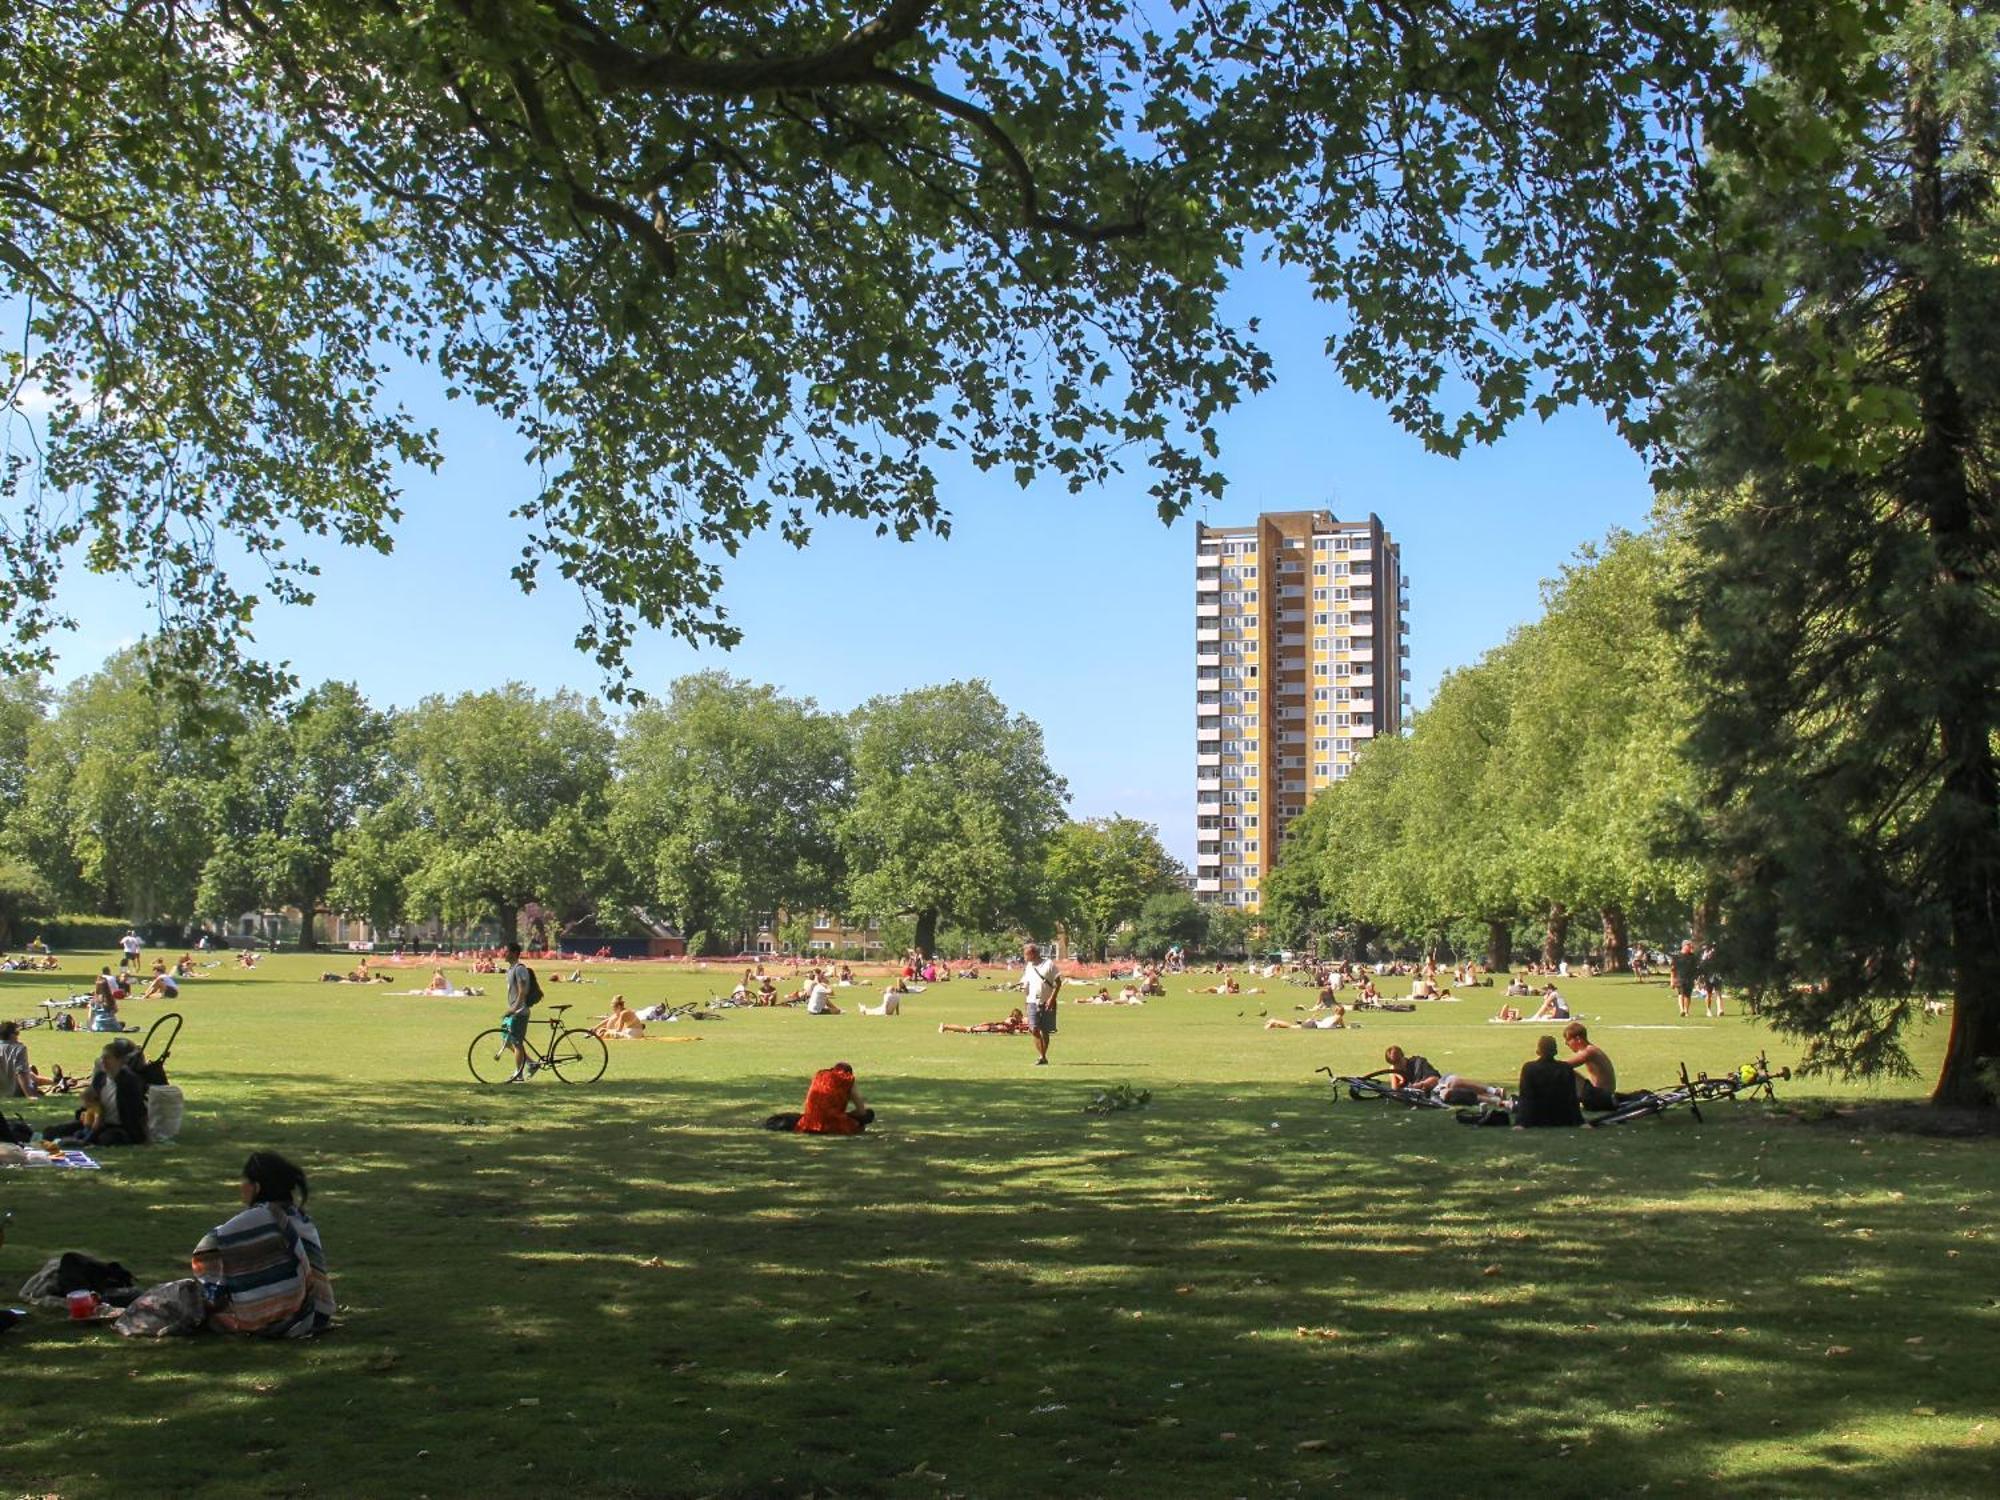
(533, 993)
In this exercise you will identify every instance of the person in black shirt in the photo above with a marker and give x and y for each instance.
(1547, 1091)
(1684, 965)
(1406, 1072)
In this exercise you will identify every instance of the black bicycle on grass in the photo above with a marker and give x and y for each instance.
(1694, 1092)
(573, 1055)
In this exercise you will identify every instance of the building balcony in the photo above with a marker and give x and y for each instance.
(1208, 784)
(1208, 759)
(1208, 734)
(1208, 611)
(1207, 883)
(1208, 659)
(1207, 634)
(1207, 585)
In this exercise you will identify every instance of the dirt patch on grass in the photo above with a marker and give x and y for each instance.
(1909, 1119)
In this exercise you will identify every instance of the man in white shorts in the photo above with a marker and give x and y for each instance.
(1041, 983)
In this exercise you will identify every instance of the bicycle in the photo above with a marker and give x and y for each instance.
(573, 1055)
(1751, 1078)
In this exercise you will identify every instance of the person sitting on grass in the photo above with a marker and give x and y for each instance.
(1016, 1024)
(1596, 1078)
(264, 1271)
(819, 998)
(246, 959)
(1553, 1008)
(892, 1004)
(114, 1112)
(832, 1106)
(767, 991)
(622, 1025)
(184, 969)
(163, 987)
(18, 1078)
(1546, 1094)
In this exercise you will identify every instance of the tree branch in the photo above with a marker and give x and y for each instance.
(1033, 215)
(620, 66)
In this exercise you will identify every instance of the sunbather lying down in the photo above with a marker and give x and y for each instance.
(447, 993)
(1016, 1024)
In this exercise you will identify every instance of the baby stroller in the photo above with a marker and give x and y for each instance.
(165, 1104)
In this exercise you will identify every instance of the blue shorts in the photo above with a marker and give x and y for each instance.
(1042, 1018)
(514, 1027)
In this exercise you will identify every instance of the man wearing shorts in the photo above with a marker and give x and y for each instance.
(1041, 983)
(514, 1024)
(1684, 966)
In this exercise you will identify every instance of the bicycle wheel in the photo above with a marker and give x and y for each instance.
(578, 1057)
(490, 1058)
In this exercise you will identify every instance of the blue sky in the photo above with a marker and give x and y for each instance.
(1078, 610)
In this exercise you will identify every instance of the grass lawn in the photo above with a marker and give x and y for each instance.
(1245, 1289)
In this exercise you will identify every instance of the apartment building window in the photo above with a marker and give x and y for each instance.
(1249, 596)
(1321, 745)
(1340, 772)
(1341, 721)
(1207, 697)
(1343, 595)
(1319, 570)
(1342, 619)
(1250, 695)
(1320, 618)
(1249, 846)
(1319, 669)
(1342, 694)
(1344, 746)
(1319, 694)
(1320, 721)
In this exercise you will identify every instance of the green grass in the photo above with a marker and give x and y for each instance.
(1244, 1289)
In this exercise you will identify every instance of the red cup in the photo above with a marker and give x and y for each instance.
(83, 1305)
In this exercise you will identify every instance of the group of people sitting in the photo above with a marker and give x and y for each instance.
(111, 1105)
(1551, 1090)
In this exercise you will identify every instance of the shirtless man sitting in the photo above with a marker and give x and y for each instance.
(1596, 1078)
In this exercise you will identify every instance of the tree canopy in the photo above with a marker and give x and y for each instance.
(724, 267)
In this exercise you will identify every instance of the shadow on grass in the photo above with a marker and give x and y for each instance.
(1000, 1295)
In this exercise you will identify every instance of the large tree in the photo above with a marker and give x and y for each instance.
(117, 807)
(1842, 579)
(302, 778)
(726, 802)
(953, 806)
(504, 802)
(1099, 874)
(730, 265)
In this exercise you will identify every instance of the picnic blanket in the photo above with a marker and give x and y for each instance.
(36, 1157)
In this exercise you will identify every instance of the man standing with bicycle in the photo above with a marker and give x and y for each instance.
(523, 990)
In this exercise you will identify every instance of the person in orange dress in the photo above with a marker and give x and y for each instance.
(832, 1106)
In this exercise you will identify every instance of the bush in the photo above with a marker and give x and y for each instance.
(81, 931)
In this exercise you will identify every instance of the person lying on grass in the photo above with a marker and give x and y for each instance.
(892, 1004)
(1016, 1024)
(1546, 1094)
(264, 1271)
(1510, 1013)
(622, 1024)
(832, 1106)
(1333, 1020)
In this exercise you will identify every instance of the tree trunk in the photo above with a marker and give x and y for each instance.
(1556, 936)
(510, 921)
(1705, 918)
(309, 921)
(1957, 509)
(927, 926)
(1615, 941)
(1499, 945)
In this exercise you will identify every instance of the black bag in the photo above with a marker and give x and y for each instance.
(782, 1122)
(17, 1130)
(533, 994)
(73, 1271)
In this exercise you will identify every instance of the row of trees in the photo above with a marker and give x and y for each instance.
(1538, 789)
(1784, 709)
(722, 802)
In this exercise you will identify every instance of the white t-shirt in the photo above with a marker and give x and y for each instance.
(892, 1003)
(817, 999)
(131, 944)
(1039, 981)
